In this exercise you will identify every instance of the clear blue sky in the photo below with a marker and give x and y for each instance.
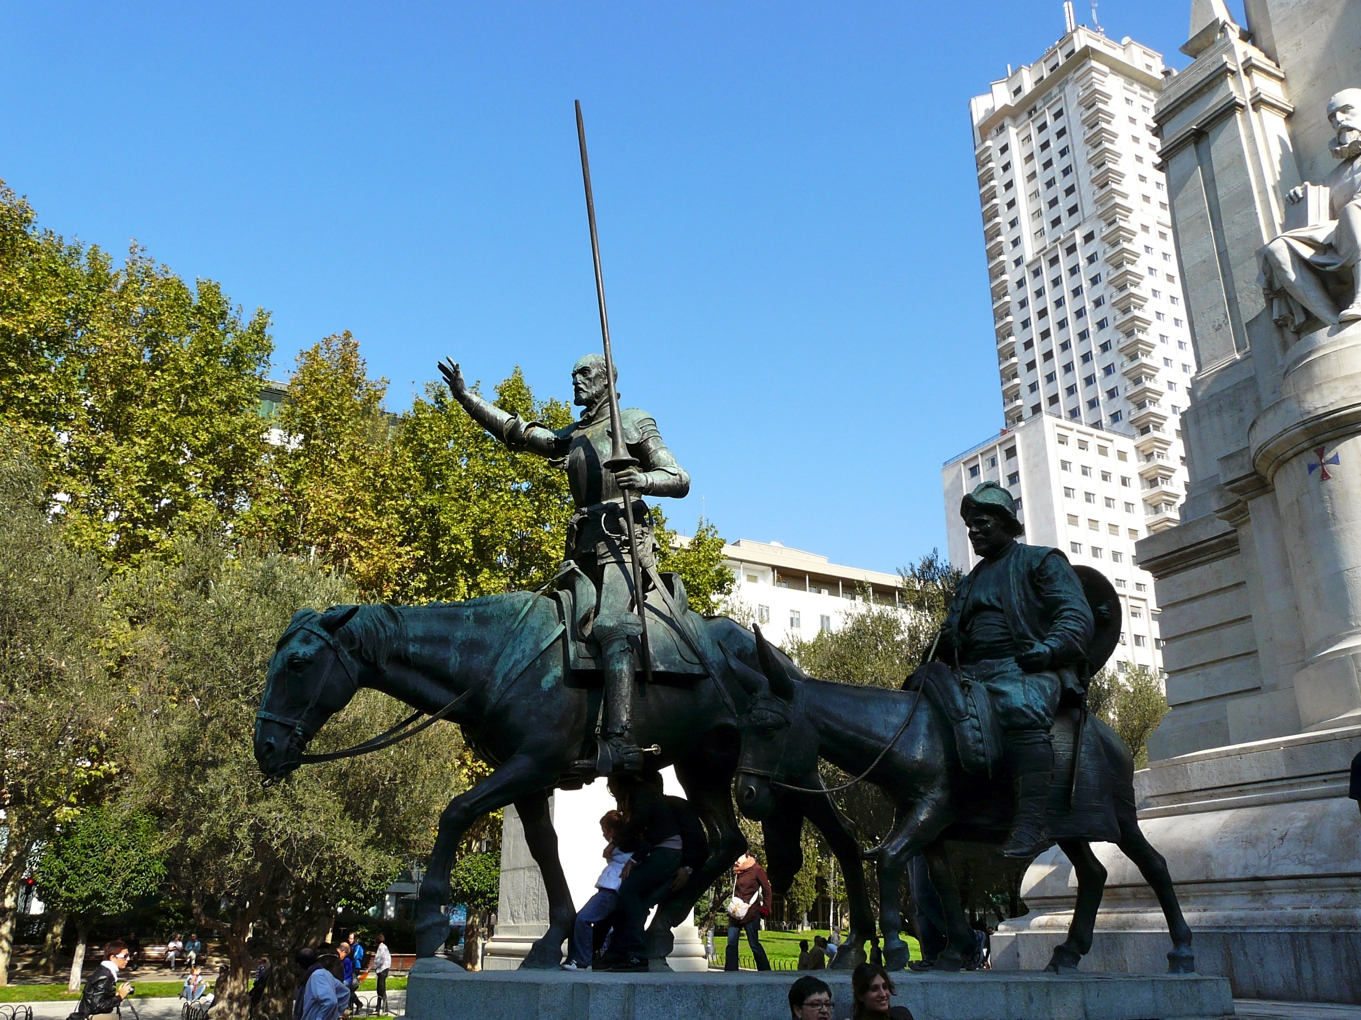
(788, 211)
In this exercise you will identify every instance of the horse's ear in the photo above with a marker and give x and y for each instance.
(336, 617)
(780, 684)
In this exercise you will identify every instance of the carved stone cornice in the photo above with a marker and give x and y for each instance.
(1192, 544)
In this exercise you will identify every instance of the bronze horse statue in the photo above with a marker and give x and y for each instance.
(500, 668)
(898, 741)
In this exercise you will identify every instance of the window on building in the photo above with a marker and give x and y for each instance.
(1096, 552)
(1140, 586)
(1121, 455)
(1140, 641)
(1093, 525)
(1105, 348)
(1124, 480)
(795, 619)
(762, 614)
(1013, 479)
(1105, 476)
(1086, 471)
(1069, 493)
(1120, 583)
(1075, 546)
(825, 624)
(1129, 508)
(1066, 465)
(1117, 556)
(1110, 504)
(973, 470)
(1010, 452)
(1090, 497)
(1073, 520)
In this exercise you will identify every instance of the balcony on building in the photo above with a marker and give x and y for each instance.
(983, 154)
(1135, 321)
(1118, 256)
(1107, 173)
(1137, 343)
(1151, 414)
(1159, 470)
(1144, 388)
(1001, 302)
(1099, 136)
(1006, 348)
(992, 229)
(1152, 442)
(987, 192)
(1005, 326)
(1104, 155)
(1011, 389)
(1164, 517)
(1129, 298)
(1092, 88)
(1013, 406)
(1114, 202)
(1096, 115)
(996, 246)
(992, 210)
(1009, 363)
(986, 172)
(1138, 365)
(1118, 231)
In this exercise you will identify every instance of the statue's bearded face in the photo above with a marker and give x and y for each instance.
(588, 381)
(1344, 114)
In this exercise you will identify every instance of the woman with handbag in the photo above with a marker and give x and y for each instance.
(750, 902)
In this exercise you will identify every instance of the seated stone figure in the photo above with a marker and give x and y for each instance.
(1311, 271)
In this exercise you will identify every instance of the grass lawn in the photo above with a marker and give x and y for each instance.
(782, 947)
(145, 990)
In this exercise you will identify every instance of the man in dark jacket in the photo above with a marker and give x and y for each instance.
(752, 888)
(1019, 625)
(103, 994)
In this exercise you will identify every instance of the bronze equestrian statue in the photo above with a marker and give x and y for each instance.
(597, 540)
(1017, 639)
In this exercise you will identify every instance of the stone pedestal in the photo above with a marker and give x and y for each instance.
(1265, 851)
(439, 990)
(522, 909)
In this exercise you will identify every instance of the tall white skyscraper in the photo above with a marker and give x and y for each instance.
(1093, 347)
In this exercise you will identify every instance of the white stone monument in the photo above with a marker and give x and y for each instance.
(522, 908)
(1260, 584)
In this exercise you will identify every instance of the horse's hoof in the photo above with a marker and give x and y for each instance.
(1063, 961)
(431, 935)
(849, 956)
(895, 958)
(1181, 961)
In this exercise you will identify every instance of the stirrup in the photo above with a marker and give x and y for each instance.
(616, 753)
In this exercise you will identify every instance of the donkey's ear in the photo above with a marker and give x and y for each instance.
(748, 678)
(336, 617)
(780, 684)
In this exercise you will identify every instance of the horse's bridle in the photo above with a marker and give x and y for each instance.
(299, 736)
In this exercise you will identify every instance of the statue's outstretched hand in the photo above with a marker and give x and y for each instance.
(1295, 194)
(453, 375)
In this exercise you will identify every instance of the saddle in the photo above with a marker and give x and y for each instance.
(672, 638)
(1081, 809)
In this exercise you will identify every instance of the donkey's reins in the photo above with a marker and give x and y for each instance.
(874, 764)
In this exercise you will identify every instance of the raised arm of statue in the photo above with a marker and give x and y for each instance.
(510, 429)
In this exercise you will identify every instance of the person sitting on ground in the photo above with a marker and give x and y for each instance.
(194, 985)
(817, 956)
(582, 948)
(871, 992)
(749, 903)
(810, 999)
(103, 994)
(651, 833)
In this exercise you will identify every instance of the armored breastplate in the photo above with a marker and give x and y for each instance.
(590, 481)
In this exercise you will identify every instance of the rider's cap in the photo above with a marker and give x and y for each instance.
(994, 499)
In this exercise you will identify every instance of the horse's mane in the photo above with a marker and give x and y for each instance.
(374, 634)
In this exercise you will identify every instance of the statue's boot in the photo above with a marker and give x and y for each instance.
(1352, 313)
(1032, 763)
(616, 750)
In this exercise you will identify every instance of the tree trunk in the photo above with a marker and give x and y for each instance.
(472, 942)
(9, 909)
(78, 957)
(52, 944)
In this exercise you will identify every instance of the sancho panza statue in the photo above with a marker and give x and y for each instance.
(1313, 269)
(1020, 625)
(597, 540)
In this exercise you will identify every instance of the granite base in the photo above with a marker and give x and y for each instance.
(440, 990)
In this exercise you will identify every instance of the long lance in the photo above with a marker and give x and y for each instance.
(619, 454)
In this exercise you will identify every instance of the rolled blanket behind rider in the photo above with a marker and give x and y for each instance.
(1019, 625)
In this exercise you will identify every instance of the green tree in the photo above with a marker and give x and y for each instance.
(139, 393)
(699, 561)
(58, 717)
(1132, 702)
(99, 864)
(263, 866)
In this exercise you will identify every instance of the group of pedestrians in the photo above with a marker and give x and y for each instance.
(331, 976)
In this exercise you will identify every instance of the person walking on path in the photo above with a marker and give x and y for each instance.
(382, 963)
(872, 993)
(600, 906)
(103, 994)
(750, 901)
